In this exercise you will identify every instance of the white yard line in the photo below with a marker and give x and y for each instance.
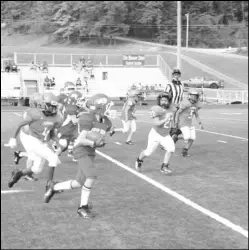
(14, 191)
(17, 114)
(188, 202)
(221, 141)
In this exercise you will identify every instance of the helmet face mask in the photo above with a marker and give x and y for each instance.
(193, 97)
(50, 104)
(50, 109)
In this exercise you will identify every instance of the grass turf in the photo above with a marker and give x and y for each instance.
(130, 212)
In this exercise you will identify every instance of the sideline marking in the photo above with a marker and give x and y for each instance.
(221, 141)
(14, 191)
(118, 143)
(231, 113)
(17, 114)
(205, 211)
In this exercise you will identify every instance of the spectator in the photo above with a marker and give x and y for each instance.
(45, 67)
(47, 82)
(52, 82)
(90, 64)
(39, 65)
(78, 82)
(7, 66)
(82, 62)
(14, 67)
(33, 66)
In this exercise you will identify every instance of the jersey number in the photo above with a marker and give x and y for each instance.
(168, 123)
(192, 111)
(45, 133)
(152, 114)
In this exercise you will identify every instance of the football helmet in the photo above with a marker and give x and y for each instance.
(134, 93)
(164, 95)
(51, 102)
(73, 97)
(193, 96)
(101, 104)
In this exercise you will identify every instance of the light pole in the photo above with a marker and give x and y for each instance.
(187, 16)
(179, 35)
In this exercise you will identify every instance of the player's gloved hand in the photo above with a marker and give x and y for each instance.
(134, 117)
(12, 143)
(201, 126)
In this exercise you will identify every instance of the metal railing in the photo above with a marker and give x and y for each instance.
(67, 60)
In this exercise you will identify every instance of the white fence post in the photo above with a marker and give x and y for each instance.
(106, 59)
(15, 57)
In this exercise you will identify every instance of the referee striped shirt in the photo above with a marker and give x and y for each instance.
(175, 88)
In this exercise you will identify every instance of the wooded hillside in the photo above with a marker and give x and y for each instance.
(213, 24)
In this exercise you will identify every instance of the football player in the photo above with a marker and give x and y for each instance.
(68, 132)
(128, 117)
(162, 115)
(84, 151)
(183, 120)
(42, 124)
(34, 102)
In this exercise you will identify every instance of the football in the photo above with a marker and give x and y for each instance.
(93, 135)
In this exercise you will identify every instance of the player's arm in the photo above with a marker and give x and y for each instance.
(158, 122)
(27, 120)
(198, 119)
(126, 112)
(85, 125)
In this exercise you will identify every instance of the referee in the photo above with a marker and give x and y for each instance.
(175, 87)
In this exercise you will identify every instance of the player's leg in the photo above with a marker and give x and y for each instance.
(36, 168)
(152, 145)
(186, 136)
(168, 144)
(84, 179)
(192, 137)
(125, 129)
(132, 130)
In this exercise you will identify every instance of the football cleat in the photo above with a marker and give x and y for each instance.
(112, 132)
(30, 178)
(185, 152)
(165, 169)
(129, 143)
(138, 165)
(50, 192)
(85, 212)
(17, 157)
(15, 177)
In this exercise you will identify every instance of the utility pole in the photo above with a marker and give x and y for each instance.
(179, 35)
(187, 16)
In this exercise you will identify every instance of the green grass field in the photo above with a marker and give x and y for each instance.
(130, 212)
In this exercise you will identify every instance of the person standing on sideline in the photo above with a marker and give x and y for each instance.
(175, 87)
